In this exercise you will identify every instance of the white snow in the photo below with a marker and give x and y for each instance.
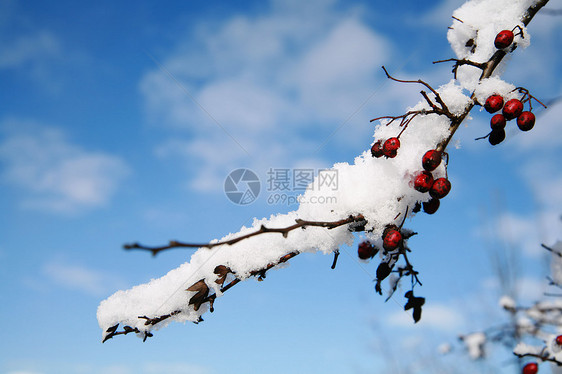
(481, 21)
(475, 344)
(495, 86)
(507, 302)
(522, 349)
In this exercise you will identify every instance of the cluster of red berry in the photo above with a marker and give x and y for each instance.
(393, 237)
(389, 148)
(424, 182)
(391, 240)
(512, 109)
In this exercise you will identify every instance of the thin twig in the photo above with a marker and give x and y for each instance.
(458, 63)
(551, 250)
(543, 357)
(419, 81)
(262, 230)
(336, 255)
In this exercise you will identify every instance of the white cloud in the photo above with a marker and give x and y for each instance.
(440, 16)
(544, 176)
(243, 104)
(29, 49)
(527, 289)
(518, 231)
(523, 231)
(435, 316)
(531, 289)
(55, 174)
(265, 78)
(81, 278)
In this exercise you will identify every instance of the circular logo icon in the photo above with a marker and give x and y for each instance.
(242, 186)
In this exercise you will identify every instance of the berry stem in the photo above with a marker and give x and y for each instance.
(410, 268)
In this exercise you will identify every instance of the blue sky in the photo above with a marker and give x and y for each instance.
(121, 123)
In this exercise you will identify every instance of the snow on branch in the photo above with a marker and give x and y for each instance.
(401, 173)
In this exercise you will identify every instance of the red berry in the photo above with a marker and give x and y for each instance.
(497, 122)
(376, 149)
(366, 250)
(431, 160)
(390, 147)
(440, 188)
(493, 103)
(496, 136)
(559, 340)
(512, 109)
(392, 240)
(531, 368)
(423, 181)
(526, 121)
(431, 206)
(504, 39)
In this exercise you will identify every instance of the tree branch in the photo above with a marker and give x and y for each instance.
(283, 231)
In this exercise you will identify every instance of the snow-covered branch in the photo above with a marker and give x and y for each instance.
(375, 194)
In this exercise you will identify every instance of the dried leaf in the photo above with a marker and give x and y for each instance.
(112, 329)
(414, 303)
(201, 292)
(383, 270)
(222, 271)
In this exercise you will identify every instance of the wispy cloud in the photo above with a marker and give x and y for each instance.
(527, 289)
(269, 79)
(53, 173)
(81, 278)
(28, 50)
